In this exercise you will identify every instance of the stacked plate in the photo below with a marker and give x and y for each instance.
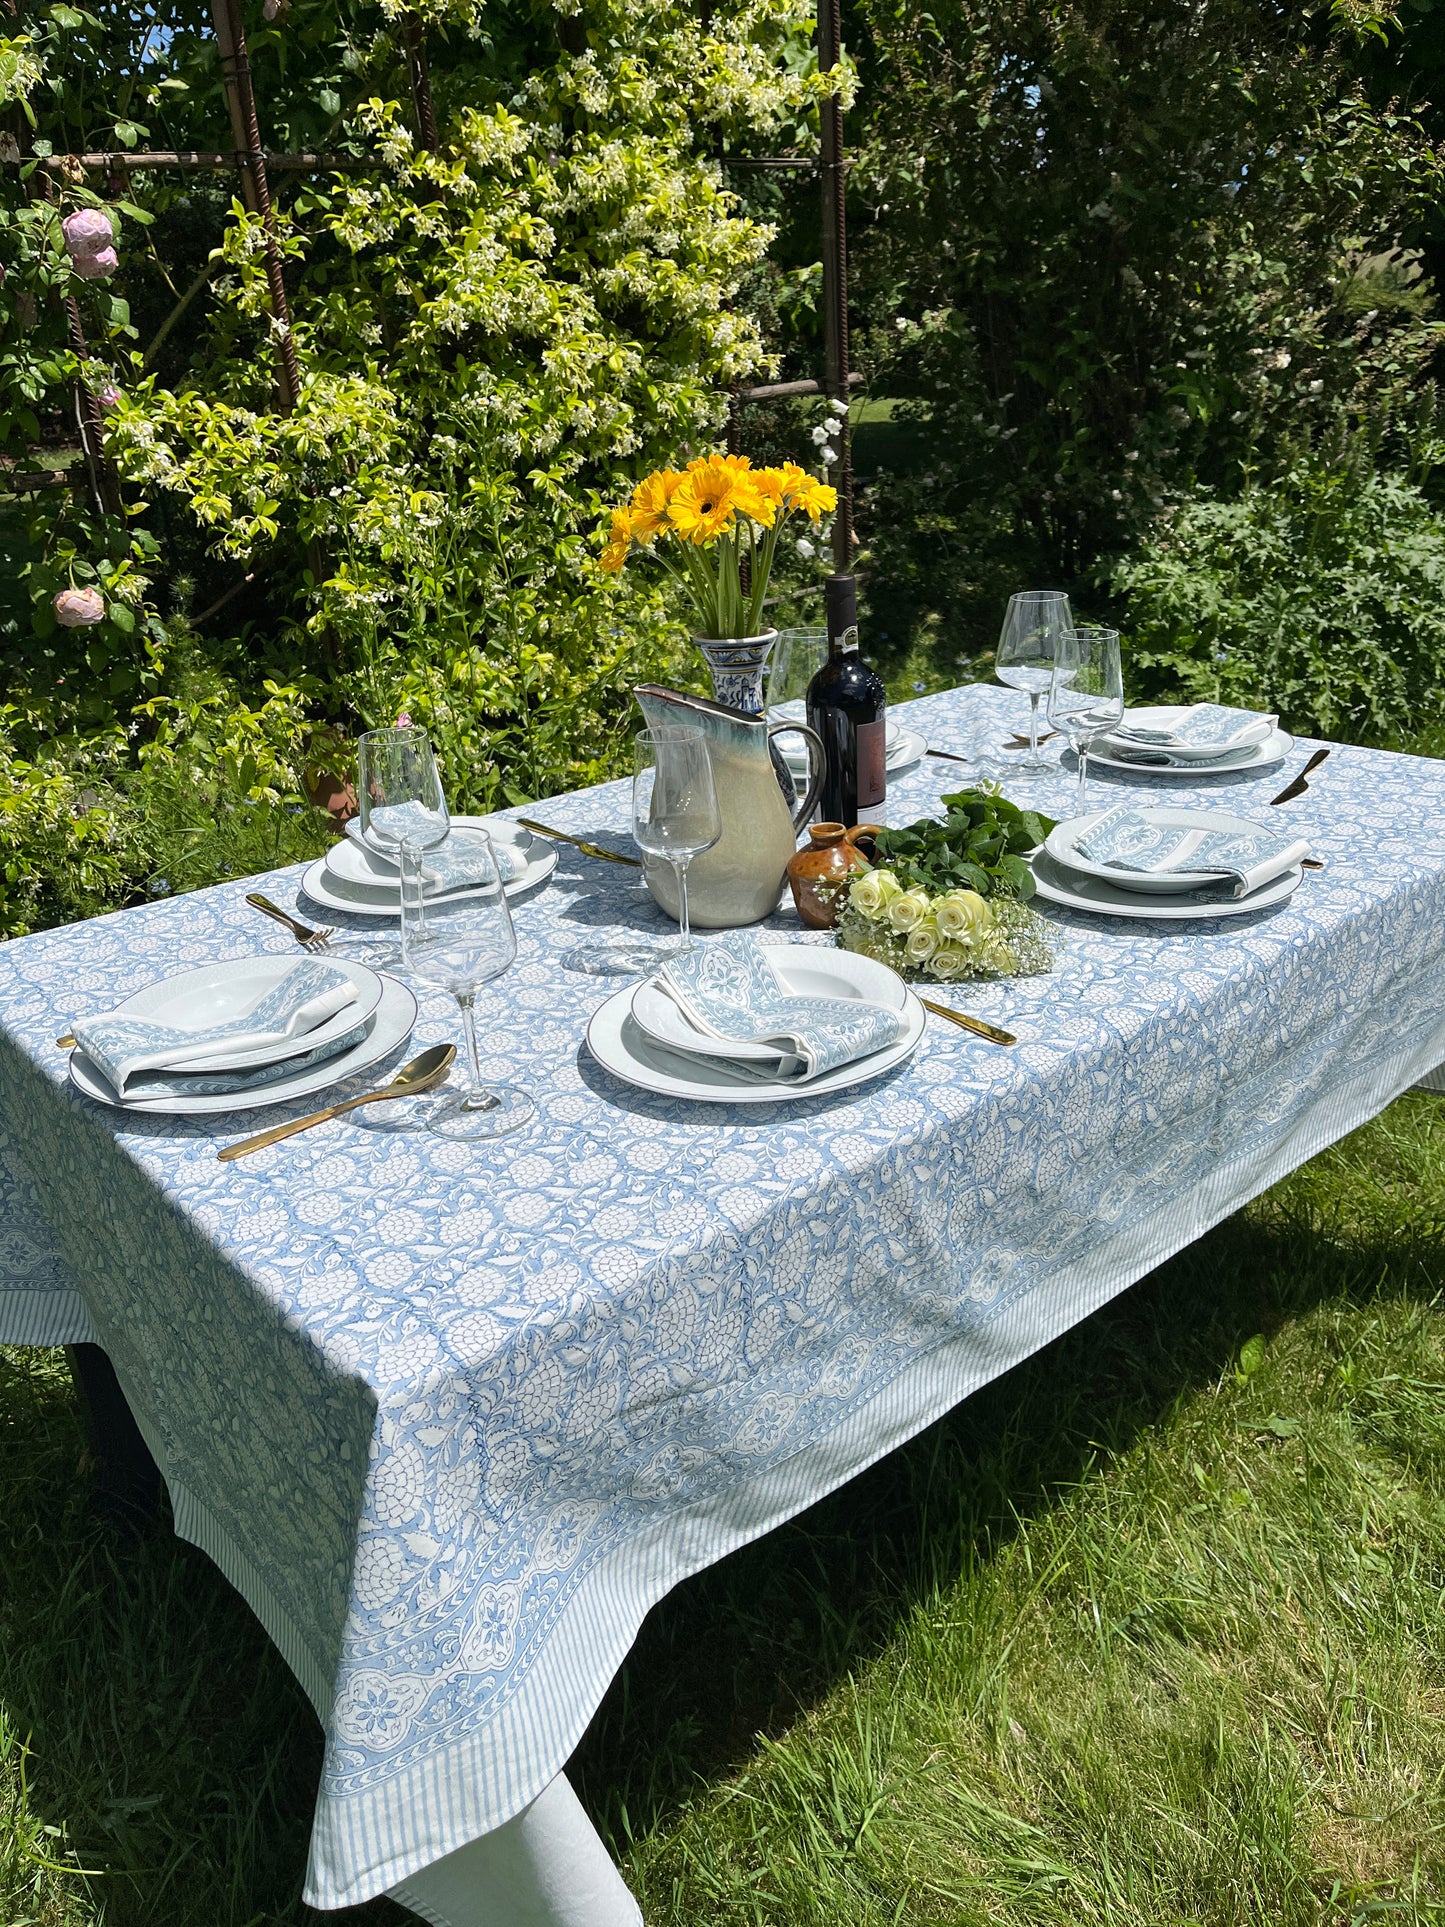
(1064, 875)
(902, 747)
(365, 883)
(376, 1021)
(642, 1036)
(1123, 749)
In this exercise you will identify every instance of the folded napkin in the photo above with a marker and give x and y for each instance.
(1211, 726)
(135, 1053)
(729, 990)
(1246, 859)
(456, 862)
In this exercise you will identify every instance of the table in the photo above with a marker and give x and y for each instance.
(452, 1417)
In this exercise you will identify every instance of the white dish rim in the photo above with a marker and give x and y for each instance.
(1061, 847)
(1163, 909)
(273, 964)
(647, 991)
(608, 1023)
(392, 1022)
(1264, 755)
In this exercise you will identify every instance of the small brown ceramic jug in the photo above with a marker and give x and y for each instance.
(829, 857)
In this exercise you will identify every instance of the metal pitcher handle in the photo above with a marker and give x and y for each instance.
(817, 766)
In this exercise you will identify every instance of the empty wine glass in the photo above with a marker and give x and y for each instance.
(399, 790)
(1027, 646)
(1086, 693)
(798, 655)
(674, 807)
(461, 943)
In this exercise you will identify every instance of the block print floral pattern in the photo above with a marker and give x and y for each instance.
(458, 1418)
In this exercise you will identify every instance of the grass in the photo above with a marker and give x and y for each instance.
(1146, 1634)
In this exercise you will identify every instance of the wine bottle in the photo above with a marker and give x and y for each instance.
(847, 706)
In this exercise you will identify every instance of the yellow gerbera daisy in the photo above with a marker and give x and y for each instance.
(703, 505)
(619, 541)
(806, 492)
(650, 500)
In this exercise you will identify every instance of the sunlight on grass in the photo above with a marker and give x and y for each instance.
(1146, 1634)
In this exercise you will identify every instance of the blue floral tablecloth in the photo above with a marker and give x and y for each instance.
(452, 1417)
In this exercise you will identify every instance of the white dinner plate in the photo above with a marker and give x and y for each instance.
(1169, 716)
(622, 1046)
(1275, 747)
(347, 889)
(1063, 839)
(218, 993)
(389, 1026)
(840, 973)
(1074, 892)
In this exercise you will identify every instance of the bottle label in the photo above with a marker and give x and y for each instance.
(872, 764)
(843, 645)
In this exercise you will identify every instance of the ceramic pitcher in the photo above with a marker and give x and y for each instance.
(741, 877)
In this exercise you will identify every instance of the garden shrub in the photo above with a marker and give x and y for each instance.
(1107, 253)
(1319, 593)
(492, 339)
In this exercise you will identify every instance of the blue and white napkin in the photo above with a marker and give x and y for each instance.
(729, 991)
(1206, 726)
(457, 861)
(143, 1057)
(1125, 839)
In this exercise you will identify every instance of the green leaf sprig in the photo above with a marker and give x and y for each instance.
(980, 845)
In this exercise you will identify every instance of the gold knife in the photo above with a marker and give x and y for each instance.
(975, 1024)
(581, 843)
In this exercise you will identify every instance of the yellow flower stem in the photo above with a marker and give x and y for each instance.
(762, 573)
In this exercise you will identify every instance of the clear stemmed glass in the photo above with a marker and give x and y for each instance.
(798, 655)
(674, 806)
(1086, 693)
(461, 943)
(399, 789)
(1027, 646)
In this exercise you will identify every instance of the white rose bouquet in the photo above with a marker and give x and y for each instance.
(948, 900)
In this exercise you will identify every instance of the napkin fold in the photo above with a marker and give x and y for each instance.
(1212, 726)
(729, 990)
(136, 1053)
(1124, 839)
(456, 862)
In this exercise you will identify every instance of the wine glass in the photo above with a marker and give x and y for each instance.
(462, 942)
(1086, 693)
(674, 807)
(798, 655)
(399, 789)
(1027, 646)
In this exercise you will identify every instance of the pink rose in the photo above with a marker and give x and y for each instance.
(87, 232)
(79, 608)
(109, 397)
(403, 720)
(96, 267)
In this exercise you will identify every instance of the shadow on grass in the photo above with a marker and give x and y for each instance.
(176, 1752)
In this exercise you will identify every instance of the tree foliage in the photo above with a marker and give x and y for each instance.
(1113, 252)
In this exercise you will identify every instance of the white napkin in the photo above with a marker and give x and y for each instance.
(131, 1051)
(1245, 859)
(457, 862)
(729, 990)
(1206, 726)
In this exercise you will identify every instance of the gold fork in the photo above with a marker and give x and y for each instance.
(309, 939)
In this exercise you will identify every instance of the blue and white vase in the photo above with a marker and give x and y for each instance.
(737, 664)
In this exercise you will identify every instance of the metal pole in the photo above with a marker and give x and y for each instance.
(414, 35)
(255, 189)
(835, 275)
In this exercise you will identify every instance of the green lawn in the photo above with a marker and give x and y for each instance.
(1152, 1632)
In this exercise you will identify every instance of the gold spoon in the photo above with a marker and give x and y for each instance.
(578, 842)
(423, 1073)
